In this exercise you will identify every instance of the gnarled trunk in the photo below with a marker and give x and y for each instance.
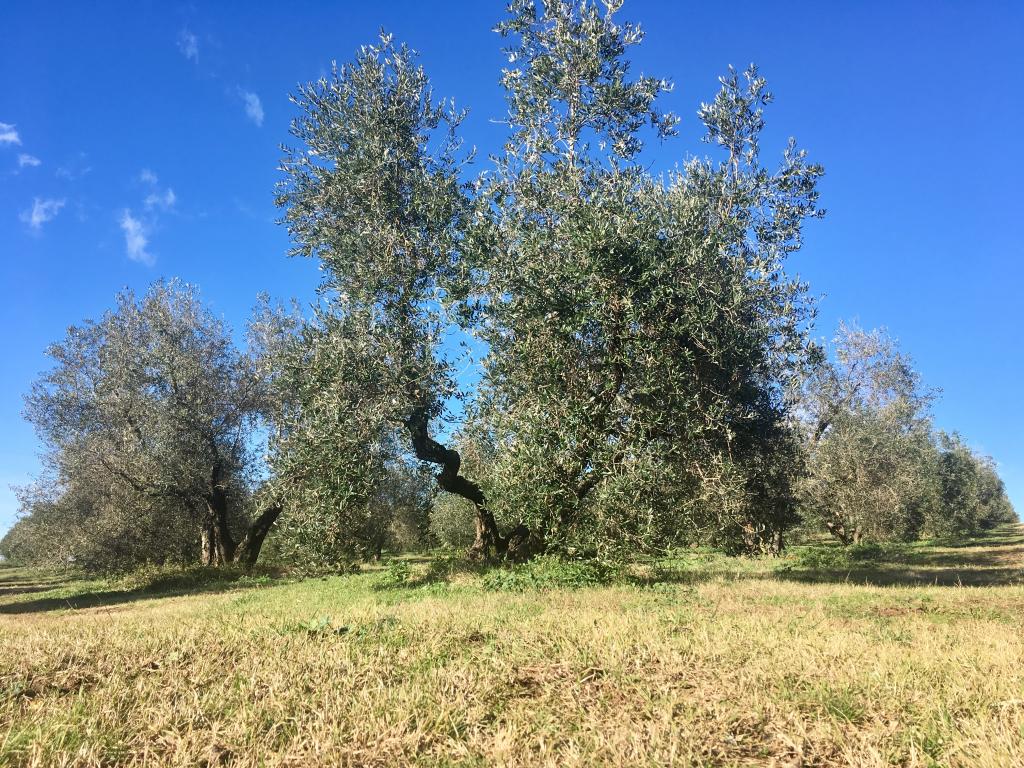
(218, 547)
(489, 540)
(248, 550)
(218, 544)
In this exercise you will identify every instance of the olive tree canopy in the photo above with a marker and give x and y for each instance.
(636, 331)
(148, 419)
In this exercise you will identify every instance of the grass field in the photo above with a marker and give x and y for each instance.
(914, 658)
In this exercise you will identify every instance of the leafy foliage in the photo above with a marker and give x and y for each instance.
(381, 207)
(877, 471)
(548, 572)
(638, 329)
(148, 418)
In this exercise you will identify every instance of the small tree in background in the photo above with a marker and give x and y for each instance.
(995, 508)
(971, 497)
(148, 420)
(871, 455)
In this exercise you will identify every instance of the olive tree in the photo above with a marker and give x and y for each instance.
(148, 420)
(640, 329)
(995, 507)
(971, 496)
(872, 459)
(636, 330)
(373, 192)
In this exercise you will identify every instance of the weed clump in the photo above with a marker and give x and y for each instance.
(830, 558)
(550, 572)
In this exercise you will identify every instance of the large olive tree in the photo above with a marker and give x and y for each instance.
(636, 331)
(640, 329)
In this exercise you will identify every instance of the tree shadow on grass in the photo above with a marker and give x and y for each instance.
(22, 581)
(992, 559)
(20, 577)
(185, 584)
(865, 575)
(1004, 536)
(894, 576)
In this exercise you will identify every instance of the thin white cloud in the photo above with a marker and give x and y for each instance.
(136, 239)
(188, 45)
(163, 200)
(76, 169)
(29, 160)
(41, 212)
(8, 135)
(253, 107)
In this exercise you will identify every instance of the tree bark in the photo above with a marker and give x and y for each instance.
(218, 544)
(206, 551)
(489, 540)
(248, 550)
(778, 543)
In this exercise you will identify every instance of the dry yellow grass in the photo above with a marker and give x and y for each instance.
(752, 668)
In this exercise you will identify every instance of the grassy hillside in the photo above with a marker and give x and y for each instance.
(908, 656)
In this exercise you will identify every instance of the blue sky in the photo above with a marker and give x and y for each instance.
(140, 140)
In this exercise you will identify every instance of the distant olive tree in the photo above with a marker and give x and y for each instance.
(876, 469)
(970, 495)
(872, 459)
(148, 419)
(994, 506)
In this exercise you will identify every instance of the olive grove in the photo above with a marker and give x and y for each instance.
(553, 350)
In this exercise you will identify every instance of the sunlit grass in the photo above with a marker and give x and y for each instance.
(703, 660)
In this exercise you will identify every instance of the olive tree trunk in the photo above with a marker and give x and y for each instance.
(488, 542)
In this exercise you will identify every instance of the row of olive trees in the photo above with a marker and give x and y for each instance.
(870, 466)
(634, 342)
(877, 469)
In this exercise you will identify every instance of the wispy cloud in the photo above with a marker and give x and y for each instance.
(138, 228)
(163, 200)
(8, 135)
(75, 169)
(253, 106)
(136, 239)
(41, 212)
(28, 160)
(188, 44)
